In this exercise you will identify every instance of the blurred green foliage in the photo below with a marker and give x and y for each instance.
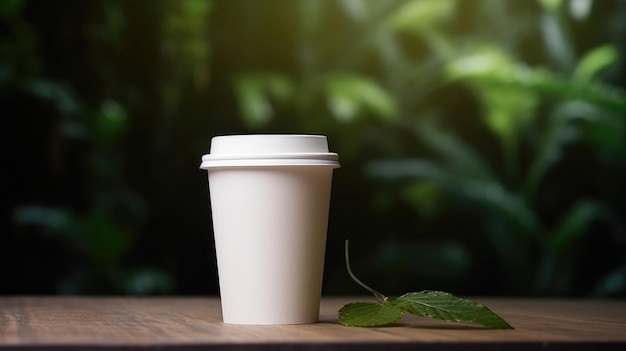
(482, 141)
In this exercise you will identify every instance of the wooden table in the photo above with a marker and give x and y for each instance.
(173, 323)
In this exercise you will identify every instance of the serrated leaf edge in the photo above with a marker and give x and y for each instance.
(368, 325)
(501, 323)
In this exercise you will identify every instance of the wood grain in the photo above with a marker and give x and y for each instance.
(107, 323)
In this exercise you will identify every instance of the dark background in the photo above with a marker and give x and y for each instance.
(482, 142)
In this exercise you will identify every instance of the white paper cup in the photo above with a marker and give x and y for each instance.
(270, 199)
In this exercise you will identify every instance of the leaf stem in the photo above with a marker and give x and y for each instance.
(382, 299)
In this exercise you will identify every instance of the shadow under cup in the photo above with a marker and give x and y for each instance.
(270, 198)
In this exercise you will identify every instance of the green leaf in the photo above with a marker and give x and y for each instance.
(487, 70)
(445, 306)
(350, 95)
(484, 61)
(432, 304)
(505, 110)
(551, 5)
(594, 61)
(369, 314)
(420, 15)
(256, 92)
(255, 108)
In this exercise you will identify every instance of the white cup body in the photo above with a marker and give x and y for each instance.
(270, 223)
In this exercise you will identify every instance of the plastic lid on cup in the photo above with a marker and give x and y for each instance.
(254, 150)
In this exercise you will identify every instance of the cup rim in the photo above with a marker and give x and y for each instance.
(278, 156)
(265, 150)
(276, 160)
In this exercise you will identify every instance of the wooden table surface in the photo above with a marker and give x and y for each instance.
(183, 323)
